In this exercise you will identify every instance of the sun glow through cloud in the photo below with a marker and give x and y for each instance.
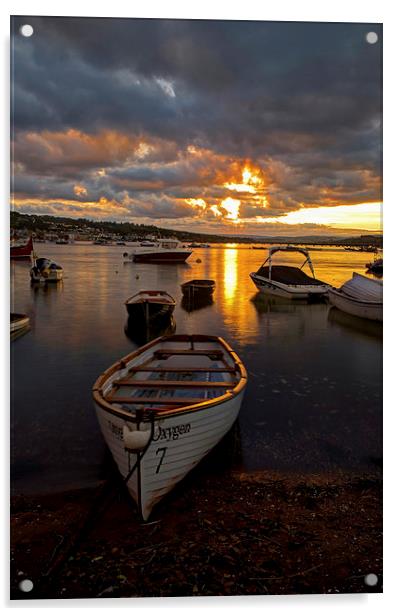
(249, 182)
(360, 216)
(232, 207)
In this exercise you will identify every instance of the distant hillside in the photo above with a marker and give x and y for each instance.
(130, 231)
(58, 224)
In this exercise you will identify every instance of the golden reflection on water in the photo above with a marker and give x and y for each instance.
(230, 274)
(78, 330)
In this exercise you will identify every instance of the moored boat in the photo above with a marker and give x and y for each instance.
(163, 251)
(150, 305)
(18, 322)
(20, 250)
(162, 408)
(360, 296)
(376, 266)
(198, 287)
(45, 270)
(288, 281)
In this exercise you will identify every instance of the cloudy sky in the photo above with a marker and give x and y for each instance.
(259, 128)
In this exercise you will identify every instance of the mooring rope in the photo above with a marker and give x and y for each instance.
(97, 508)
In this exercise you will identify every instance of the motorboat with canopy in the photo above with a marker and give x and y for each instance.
(286, 280)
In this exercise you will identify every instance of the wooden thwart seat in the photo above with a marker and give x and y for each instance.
(163, 384)
(149, 368)
(169, 352)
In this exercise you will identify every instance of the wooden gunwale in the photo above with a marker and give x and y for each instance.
(160, 401)
(154, 299)
(121, 364)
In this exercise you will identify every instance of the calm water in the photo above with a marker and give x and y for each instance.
(313, 402)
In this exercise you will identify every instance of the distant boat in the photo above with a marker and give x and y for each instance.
(150, 304)
(120, 243)
(258, 247)
(18, 323)
(102, 241)
(20, 250)
(62, 241)
(163, 251)
(45, 270)
(196, 245)
(375, 267)
(360, 296)
(198, 287)
(164, 407)
(287, 281)
(147, 243)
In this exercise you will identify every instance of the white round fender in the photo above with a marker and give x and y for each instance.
(136, 440)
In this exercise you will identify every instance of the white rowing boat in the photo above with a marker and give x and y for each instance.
(162, 408)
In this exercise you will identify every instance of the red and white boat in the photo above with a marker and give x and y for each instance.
(21, 251)
(163, 251)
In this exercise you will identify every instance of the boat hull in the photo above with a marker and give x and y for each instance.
(178, 444)
(53, 276)
(193, 290)
(271, 287)
(22, 252)
(18, 322)
(149, 310)
(366, 310)
(161, 257)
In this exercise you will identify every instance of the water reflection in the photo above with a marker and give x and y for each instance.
(230, 274)
(141, 331)
(190, 304)
(312, 399)
(348, 321)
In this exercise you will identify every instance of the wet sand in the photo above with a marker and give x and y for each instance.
(215, 534)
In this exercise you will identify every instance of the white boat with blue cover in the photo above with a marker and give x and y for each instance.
(360, 296)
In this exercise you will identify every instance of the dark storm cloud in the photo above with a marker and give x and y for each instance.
(300, 100)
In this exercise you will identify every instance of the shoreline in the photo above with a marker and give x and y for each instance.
(232, 533)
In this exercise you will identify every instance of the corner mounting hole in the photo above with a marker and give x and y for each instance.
(371, 579)
(26, 30)
(26, 585)
(371, 37)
